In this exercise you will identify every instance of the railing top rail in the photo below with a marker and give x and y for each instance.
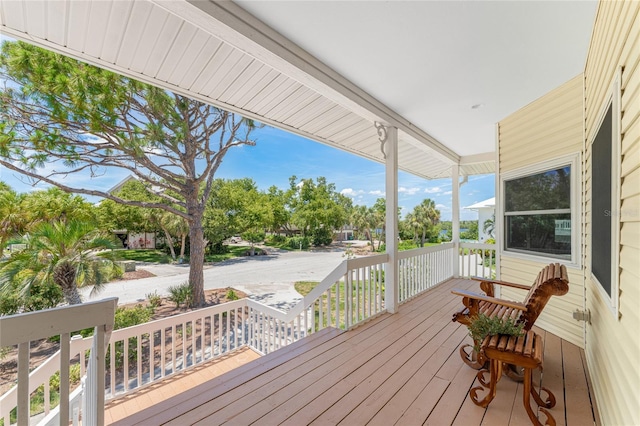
(479, 246)
(177, 319)
(424, 250)
(361, 262)
(31, 326)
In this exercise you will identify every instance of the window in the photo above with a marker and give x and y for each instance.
(538, 213)
(601, 204)
(605, 196)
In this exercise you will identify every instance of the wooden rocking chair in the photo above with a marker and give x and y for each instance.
(552, 280)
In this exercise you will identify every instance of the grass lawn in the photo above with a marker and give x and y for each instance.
(150, 256)
(234, 251)
(305, 287)
(158, 256)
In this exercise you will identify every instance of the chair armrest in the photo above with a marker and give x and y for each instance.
(504, 283)
(501, 302)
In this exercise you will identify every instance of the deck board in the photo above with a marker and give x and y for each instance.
(401, 369)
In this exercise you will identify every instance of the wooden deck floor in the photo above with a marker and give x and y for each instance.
(399, 369)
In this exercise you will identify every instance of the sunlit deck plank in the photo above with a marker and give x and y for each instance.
(338, 370)
(401, 369)
(125, 408)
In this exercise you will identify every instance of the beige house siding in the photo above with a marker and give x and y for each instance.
(613, 344)
(551, 127)
(548, 128)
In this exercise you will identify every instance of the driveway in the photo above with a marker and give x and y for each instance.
(269, 279)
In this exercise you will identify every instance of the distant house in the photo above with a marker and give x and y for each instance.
(486, 211)
(133, 240)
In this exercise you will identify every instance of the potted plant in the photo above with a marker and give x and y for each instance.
(483, 325)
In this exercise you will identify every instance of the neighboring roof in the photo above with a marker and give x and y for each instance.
(118, 186)
(417, 66)
(489, 203)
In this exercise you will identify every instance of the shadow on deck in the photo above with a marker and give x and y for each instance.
(399, 369)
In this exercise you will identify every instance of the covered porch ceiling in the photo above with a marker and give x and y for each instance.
(442, 72)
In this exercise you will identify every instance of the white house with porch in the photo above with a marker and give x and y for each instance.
(526, 90)
(486, 212)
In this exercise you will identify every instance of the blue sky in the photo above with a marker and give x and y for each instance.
(278, 155)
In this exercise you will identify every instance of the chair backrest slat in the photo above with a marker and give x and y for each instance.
(551, 281)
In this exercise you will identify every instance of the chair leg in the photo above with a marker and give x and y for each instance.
(472, 358)
(526, 393)
(495, 368)
(551, 399)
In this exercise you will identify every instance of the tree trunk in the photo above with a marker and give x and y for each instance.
(196, 258)
(65, 276)
(167, 235)
(183, 244)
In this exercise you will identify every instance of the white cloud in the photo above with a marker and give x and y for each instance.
(447, 193)
(408, 191)
(377, 192)
(434, 190)
(350, 192)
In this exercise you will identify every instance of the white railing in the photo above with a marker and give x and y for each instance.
(142, 354)
(41, 377)
(477, 260)
(352, 293)
(22, 329)
(423, 268)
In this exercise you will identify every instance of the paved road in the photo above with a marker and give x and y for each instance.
(268, 279)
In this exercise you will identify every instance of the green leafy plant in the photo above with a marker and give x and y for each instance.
(297, 243)
(180, 294)
(231, 295)
(128, 317)
(154, 299)
(482, 326)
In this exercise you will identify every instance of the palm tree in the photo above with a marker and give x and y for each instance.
(12, 215)
(424, 216)
(62, 253)
(489, 226)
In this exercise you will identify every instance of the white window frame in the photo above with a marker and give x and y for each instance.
(613, 99)
(573, 161)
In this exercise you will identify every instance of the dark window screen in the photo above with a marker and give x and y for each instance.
(601, 204)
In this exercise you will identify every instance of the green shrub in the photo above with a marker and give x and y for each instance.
(231, 294)
(377, 276)
(128, 317)
(406, 245)
(217, 248)
(322, 237)
(482, 326)
(297, 242)
(154, 299)
(180, 294)
(74, 377)
(40, 296)
(272, 240)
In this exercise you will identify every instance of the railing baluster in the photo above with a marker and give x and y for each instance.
(139, 359)
(357, 284)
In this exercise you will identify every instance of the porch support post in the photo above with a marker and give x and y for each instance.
(455, 219)
(390, 147)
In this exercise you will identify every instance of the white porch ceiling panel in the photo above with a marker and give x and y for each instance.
(177, 46)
